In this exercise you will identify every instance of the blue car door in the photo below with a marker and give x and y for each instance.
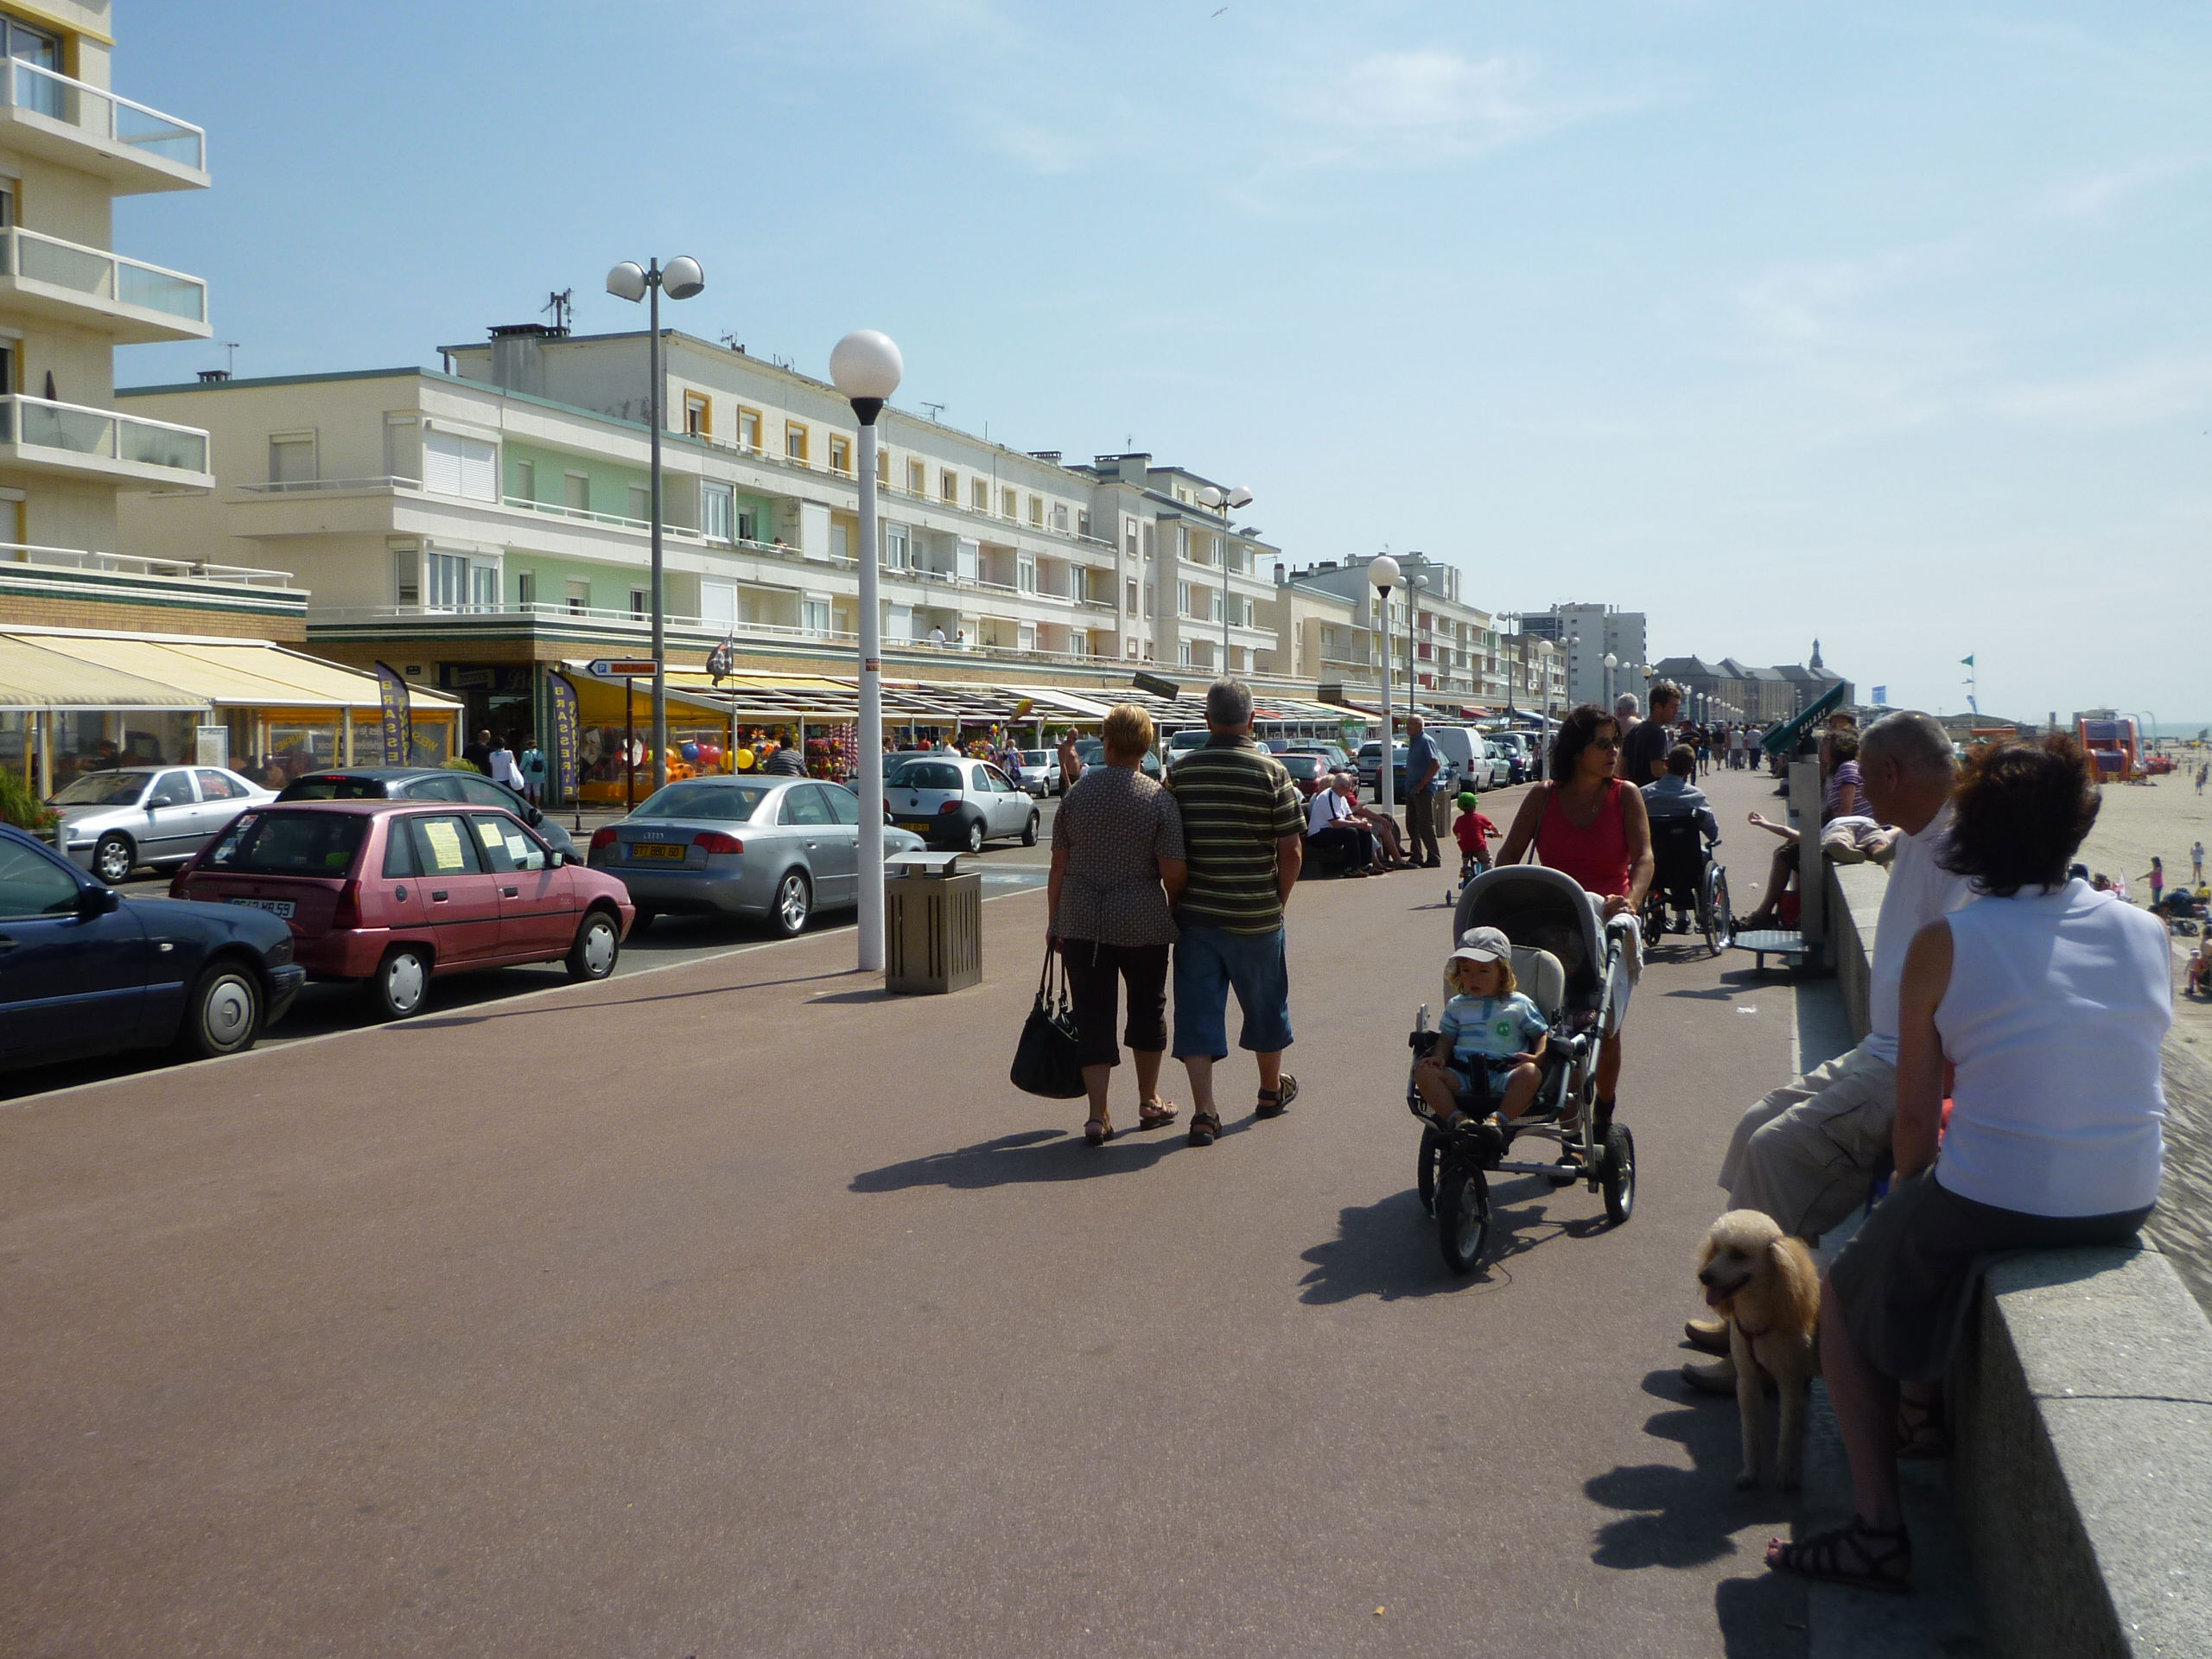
(71, 981)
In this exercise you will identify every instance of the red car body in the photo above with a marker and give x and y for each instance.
(350, 879)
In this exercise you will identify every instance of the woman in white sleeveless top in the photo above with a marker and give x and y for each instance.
(2050, 1000)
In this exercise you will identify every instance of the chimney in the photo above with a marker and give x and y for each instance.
(213, 376)
(518, 358)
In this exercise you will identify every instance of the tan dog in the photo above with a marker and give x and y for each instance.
(1763, 1283)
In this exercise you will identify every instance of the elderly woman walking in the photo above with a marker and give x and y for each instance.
(2050, 1000)
(1118, 867)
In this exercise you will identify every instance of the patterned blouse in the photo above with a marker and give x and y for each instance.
(1116, 825)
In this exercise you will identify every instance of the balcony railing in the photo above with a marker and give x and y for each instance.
(103, 114)
(100, 276)
(79, 558)
(41, 424)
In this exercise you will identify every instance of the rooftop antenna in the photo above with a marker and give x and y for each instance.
(561, 304)
(731, 342)
(231, 362)
(935, 410)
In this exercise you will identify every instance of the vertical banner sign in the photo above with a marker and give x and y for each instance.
(398, 723)
(567, 729)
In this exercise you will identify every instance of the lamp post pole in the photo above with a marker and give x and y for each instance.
(1611, 663)
(1414, 585)
(867, 368)
(1544, 649)
(1383, 573)
(1222, 501)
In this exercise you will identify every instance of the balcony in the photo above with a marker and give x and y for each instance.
(137, 149)
(39, 435)
(132, 302)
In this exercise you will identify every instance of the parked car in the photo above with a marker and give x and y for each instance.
(113, 822)
(1514, 747)
(85, 971)
(1468, 755)
(775, 847)
(390, 894)
(1092, 751)
(1041, 772)
(1307, 770)
(428, 784)
(1190, 738)
(1369, 762)
(1371, 752)
(1332, 753)
(952, 801)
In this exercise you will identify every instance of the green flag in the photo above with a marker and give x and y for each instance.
(1967, 662)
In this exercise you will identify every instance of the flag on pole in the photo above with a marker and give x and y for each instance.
(1967, 662)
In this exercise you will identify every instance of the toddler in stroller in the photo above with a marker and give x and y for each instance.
(1490, 1042)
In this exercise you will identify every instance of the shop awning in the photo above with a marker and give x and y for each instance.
(32, 677)
(236, 674)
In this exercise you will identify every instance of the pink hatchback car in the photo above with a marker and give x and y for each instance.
(388, 892)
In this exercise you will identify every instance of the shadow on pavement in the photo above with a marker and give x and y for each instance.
(1030, 1155)
(434, 1022)
(1389, 1250)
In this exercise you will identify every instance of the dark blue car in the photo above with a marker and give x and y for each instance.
(85, 971)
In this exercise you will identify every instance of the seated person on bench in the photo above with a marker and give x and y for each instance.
(1490, 1042)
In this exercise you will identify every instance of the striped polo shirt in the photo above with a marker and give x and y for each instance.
(1237, 802)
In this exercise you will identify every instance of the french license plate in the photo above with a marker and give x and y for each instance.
(275, 907)
(920, 826)
(672, 850)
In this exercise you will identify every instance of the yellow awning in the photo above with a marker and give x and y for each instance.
(32, 677)
(237, 674)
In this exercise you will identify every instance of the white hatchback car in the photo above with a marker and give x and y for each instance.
(949, 800)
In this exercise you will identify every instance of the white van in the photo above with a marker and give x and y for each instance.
(1478, 764)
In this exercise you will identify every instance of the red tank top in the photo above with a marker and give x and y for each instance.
(1596, 856)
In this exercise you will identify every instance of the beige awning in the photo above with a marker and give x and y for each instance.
(227, 673)
(33, 677)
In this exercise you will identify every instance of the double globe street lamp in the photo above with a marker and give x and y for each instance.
(682, 278)
(867, 368)
(1383, 573)
(1218, 500)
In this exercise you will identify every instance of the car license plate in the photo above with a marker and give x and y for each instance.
(658, 849)
(275, 907)
(920, 826)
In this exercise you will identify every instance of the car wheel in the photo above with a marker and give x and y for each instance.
(223, 1013)
(599, 944)
(976, 836)
(794, 903)
(401, 984)
(114, 857)
(1029, 831)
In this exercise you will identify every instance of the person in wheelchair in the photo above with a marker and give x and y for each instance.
(1490, 1043)
(1683, 830)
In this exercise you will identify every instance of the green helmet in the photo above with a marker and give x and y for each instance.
(1467, 800)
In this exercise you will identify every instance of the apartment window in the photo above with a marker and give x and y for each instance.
(1133, 596)
(1129, 536)
(748, 430)
(575, 491)
(460, 582)
(917, 478)
(979, 495)
(525, 480)
(1083, 521)
(894, 547)
(814, 613)
(1059, 516)
(1132, 652)
(718, 605)
(525, 588)
(33, 46)
(292, 458)
(641, 603)
(698, 414)
(1006, 504)
(1025, 638)
(579, 597)
(841, 454)
(1182, 599)
(795, 441)
(1148, 540)
(456, 465)
(883, 468)
(948, 487)
(1025, 573)
(715, 502)
(641, 502)
(1183, 652)
(748, 527)
(1037, 510)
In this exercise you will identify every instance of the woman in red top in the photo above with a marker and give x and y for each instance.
(1592, 826)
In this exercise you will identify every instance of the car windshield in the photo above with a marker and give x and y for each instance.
(1304, 767)
(291, 843)
(1036, 757)
(723, 802)
(104, 789)
(926, 774)
(330, 787)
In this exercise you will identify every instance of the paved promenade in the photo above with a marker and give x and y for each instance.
(737, 1310)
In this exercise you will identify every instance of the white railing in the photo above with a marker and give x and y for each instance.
(104, 115)
(305, 486)
(39, 422)
(36, 257)
(244, 576)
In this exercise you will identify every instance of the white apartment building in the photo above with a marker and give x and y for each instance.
(1448, 649)
(1585, 635)
(478, 526)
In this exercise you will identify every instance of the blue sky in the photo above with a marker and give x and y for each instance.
(1883, 322)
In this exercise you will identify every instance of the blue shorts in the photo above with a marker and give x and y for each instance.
(1209, 962)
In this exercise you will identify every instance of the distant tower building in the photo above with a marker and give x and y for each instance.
(1816, 664)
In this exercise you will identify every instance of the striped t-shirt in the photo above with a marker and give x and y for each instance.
(1237, 802)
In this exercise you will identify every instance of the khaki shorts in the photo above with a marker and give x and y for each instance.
(1805, 1153)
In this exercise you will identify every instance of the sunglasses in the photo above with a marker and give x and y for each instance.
(1603, 743)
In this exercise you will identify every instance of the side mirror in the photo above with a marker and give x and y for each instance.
(160, 800)
(96, 901)
(555, 858)
(531, 816)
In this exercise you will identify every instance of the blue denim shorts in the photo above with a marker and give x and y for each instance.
(1209, 962)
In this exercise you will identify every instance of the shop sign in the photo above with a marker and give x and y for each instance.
(568, 728)
(623, 668)
(398, 714)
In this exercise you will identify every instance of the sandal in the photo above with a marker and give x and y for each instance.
(1883, 1557)
(1920, 1432)
(1204, 1126)
(1153, 1114)
(1098, 1131)
(1273, 1101)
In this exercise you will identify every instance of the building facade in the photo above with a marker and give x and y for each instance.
(1451, 650)
(1587, 635)
(1728, 690)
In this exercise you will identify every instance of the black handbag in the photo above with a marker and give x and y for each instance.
(1045, 1059)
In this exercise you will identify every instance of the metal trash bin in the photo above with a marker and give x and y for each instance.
(932, 924)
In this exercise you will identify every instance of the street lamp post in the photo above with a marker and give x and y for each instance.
(1611, 663)
(683, 278)
(1219, 500)
(1383, 573)
(867, 368)
(1544, 649)
(1414, 585)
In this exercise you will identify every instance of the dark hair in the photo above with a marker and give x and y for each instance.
(1665, 691)
(1576, 728)
(1682, 759)
(2020, 811)
(1842, 744)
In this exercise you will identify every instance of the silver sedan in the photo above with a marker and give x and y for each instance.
(113, 822)
(776, 848)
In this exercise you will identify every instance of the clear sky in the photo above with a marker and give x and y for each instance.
(1883, 322)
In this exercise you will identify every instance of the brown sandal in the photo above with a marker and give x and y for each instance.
(1273, 1101)
(1883, 1557)
(1098, 1131)
(1156, 1113)
(1204, 1126)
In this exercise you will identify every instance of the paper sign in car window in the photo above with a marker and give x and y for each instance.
(488, 832)
(517, 848)
(444, 837)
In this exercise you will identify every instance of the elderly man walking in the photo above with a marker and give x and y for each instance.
(1242, 838)
(1423, 765)
(1804, 1154)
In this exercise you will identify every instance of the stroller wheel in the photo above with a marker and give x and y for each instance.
(1617, 1174)
(1462, 1215)
(1431, 1154)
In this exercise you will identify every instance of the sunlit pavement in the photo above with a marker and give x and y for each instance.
(740, 1309)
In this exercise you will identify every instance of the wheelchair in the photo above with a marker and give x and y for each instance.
(1686, 881)
(1576, 975)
